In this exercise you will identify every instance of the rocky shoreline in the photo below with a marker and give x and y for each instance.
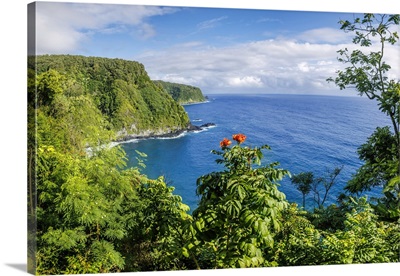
(172, 134)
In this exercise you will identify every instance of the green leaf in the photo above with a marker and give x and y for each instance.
(185, 252)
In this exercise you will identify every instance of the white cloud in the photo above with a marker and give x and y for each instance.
(304, 67)
(271, 66)
(145, 31)
(324, 35)
(246, 81)
(209, 24)
(268, 66)
(62, 27)
(267, 19)
(52, 37)
(190, 44)
(177, 79)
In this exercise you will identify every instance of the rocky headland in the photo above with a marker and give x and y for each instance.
(164, 133)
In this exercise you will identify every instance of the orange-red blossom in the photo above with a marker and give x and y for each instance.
(225, 143)
(239, 137)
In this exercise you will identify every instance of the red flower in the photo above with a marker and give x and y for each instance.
(239, 138)
(225, 143)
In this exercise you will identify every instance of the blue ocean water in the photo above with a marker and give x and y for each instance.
(305, 133)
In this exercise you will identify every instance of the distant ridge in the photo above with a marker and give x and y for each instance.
(182, 93)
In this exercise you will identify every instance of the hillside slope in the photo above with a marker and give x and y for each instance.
(183, 94)
(120, 90)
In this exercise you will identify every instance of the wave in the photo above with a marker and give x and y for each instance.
(204, 129)
(168, 138)
(134, 140)
(89, 150)
(207, 101)
(180, 135)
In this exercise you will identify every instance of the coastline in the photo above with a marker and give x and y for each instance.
(168, 134)
(193, 103)
(154, 134)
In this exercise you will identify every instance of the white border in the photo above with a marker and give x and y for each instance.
(13, 125)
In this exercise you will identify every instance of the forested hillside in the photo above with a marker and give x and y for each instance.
(121, 90)
(183, 94)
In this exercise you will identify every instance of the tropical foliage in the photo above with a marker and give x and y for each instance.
(88, 212)
(119, 89)
(369, 73)
(240, 207)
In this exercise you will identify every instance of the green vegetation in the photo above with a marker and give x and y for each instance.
(120, 90)
(369, 74)
(303, 182)
(240, 209)
(183, 94)
(89, 213)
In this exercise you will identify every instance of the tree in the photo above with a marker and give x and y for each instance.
(327, 183)
(368, 73)
(378, 169)
(48, 86)
(240, 207)
(363, 239)
(303, 182)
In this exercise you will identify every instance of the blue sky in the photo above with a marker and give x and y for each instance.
(220, 50)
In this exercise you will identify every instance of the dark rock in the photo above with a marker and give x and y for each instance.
(207, 125)
(189, 128)
(192, 127)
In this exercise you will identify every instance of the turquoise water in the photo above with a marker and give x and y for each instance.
(305, 133)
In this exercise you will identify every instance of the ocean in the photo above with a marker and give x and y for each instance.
(305, 133)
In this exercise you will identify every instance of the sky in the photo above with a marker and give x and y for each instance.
(219, 50)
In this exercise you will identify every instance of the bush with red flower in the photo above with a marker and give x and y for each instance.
(240, 207)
